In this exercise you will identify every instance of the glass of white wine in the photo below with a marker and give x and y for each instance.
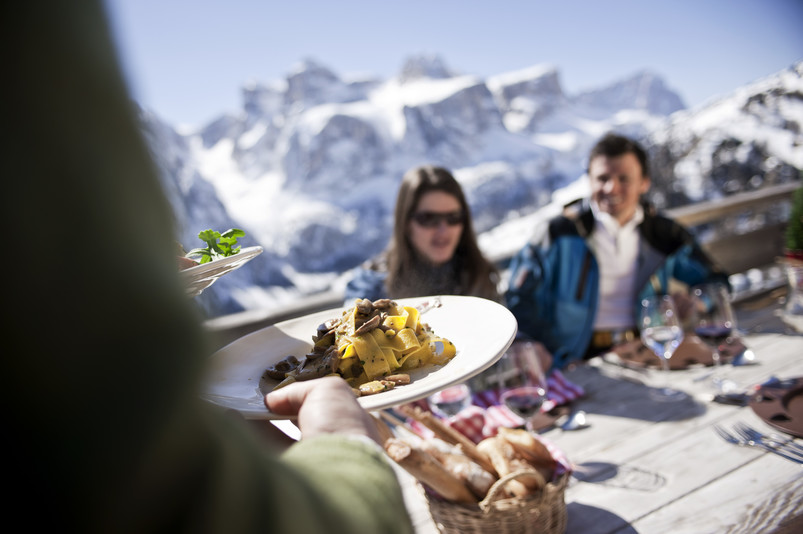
(662, 332)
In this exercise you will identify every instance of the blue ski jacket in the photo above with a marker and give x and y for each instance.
(554, 279)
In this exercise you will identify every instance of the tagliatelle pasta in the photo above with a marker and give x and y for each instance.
(372, 345)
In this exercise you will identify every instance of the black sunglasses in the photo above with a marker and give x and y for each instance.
(432, 219)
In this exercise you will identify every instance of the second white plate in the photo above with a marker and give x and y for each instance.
(201, 276)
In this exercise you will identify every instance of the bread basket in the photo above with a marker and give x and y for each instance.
(542, 512)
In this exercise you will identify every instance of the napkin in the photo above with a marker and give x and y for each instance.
(484, 417)
(692, 351)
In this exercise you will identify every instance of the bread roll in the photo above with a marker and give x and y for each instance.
(505, 461)
(477, 479)
(531, 449)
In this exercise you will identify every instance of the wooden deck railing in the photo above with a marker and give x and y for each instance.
(739, 252)
(736, 252)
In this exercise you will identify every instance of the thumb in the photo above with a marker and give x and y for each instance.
(287, 400)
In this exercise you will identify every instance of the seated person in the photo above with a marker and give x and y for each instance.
(576, 286)
(433, 250)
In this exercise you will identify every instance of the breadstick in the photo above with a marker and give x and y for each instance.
(429, 471)
(398, 423)
(385, 433)
(449, 435)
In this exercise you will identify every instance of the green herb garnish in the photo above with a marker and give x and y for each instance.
(217, 245)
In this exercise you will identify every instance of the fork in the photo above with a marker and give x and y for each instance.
(730, 438)
(753, 438)
(771, 439)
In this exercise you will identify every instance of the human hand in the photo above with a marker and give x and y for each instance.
(323, 406)
(683, 305)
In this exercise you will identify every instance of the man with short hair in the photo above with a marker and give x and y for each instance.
(576, 286)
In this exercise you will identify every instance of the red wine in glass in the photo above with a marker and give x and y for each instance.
(450, 401)
(525, 401)
(713, 335)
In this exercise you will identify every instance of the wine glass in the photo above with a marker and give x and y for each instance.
(522, 382)
(713, 320)
(661, 331)
(450, 401)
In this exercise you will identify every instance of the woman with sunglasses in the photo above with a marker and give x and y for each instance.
(433, 249)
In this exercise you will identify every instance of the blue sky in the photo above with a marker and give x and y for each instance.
(187, 60)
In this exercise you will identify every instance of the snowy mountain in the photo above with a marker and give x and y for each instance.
(740, 142)
(310, 166)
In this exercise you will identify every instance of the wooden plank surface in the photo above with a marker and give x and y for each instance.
(758, 497)
(649, 466)
(667, 471)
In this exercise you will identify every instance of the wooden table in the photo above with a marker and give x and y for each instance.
(653, 467)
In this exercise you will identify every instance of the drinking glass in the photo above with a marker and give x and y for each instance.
(522, 382)
(662, 332)
(450, 401)
(713, 321)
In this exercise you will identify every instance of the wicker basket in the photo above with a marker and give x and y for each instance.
(540, 513)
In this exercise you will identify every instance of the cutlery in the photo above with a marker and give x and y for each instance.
(727, 391)
(737, 399)
(780, 441)
(724, 386)
(755, 439)
(730, 438)
(746, 357)
(575, 421)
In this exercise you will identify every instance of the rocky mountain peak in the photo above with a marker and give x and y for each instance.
(424, 66)
(644, 90)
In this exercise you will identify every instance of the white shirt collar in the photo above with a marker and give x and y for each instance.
(612, 225)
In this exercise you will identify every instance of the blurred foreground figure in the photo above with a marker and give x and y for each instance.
(104, 355)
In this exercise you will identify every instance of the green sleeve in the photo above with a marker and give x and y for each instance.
(353, 468)
(103, 354)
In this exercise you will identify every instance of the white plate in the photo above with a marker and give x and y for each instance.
(204, 275)
(480, 329)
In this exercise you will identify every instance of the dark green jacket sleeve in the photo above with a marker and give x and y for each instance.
(103, 353)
